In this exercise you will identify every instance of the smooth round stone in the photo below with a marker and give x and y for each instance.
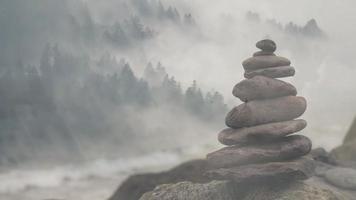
(267, 45)
(298, 169)
(342, 177)
(261, 133)
(263, 53)
(290, 147)
(262, 62)
(273, 72)
(260, 87)
(259, 112)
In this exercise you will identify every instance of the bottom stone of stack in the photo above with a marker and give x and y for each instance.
(298, 169)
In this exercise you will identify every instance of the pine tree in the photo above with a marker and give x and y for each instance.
(194, 100)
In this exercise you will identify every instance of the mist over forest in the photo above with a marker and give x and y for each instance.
(85, 79)
(74, 104)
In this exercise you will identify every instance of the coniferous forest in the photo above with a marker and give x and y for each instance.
(59, 102)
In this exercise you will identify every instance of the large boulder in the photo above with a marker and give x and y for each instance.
(215, 190)
(224, 190)
(351, 134)
(135, 186)
(295, 191)
(347, 151)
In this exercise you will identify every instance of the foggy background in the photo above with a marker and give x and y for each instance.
(93, 91)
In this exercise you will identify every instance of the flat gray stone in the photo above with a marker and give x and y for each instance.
(262, 62)
(273, 72)
(261, 87)
(298, 169)
(263, 53)
(342, 177)
(265, 132)
(259, 112)
(266, 45)
(290, 147)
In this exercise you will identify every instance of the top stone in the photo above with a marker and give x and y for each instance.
(267, 45)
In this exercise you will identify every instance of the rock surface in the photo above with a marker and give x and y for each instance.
(264, 132)
(351, 134)
(294, 191)
(225, 190)
(345, 153)
(215, 190)
(260, 87)
(298, 169)
(287, 148)
(275, 72)
(135, 186)
(342, 177)
(266, 111)
(262, 62)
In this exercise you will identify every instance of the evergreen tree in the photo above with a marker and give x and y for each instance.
(127, 84)
(194, 100)
(170, 91)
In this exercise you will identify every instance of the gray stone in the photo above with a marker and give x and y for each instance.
(274, 72)
(267, 45)
(260, 87)
(226, 190)
(342, 177)
(215, 190)
(344, 153)
(265, 132)
(136, 185)
(263, 53)
(262, 62)
(290, 147)
(320, 154)
(294, 191)
(298, 169)
(259, 112)
(351, 133)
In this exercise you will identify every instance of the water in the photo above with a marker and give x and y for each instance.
(96, 180)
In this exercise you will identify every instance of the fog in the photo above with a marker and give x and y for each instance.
(90, 85)
(325, 66)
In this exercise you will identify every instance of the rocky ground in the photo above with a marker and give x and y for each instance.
(332, 180)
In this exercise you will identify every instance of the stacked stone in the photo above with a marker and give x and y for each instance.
(260, 144)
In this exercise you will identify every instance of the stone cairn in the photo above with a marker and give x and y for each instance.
(260, 145)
